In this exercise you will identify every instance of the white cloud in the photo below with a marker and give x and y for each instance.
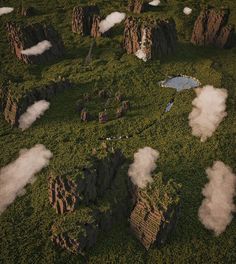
(208, 111)
(32, 113)
(187, 11)
(5, 10)
(216, 209)
(154, 2)
(144, 164)
(38, 49)
(110, 21)
(15, 176)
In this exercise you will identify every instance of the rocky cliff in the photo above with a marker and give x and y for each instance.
(12, 108)
(155, 38)
(85, 20)
(211, 28)
(24, 37)
(155, 211)
(89, 200)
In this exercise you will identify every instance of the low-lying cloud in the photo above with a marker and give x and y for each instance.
(216, 209)
(5, 10)
(144, 164)
(32, 113)
(38, 49)
(15, 176)
(187, 11)
(110, 21)
(154, 2)
(208, 111)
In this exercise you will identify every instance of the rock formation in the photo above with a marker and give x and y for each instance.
(137, 6)
(155, 211)
(85, 238)
(102, 117)
(84, 115)
(85, 20)
(66, 195)
(211, 28)
(24, 37)
(77, 197)
(13, 107)
(156, 38)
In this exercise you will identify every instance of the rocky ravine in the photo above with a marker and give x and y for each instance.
(13, 108)
(24, 37)
(211, 28)
(160, 36)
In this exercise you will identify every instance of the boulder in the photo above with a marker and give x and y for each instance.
(102, 117)
(211, 29)
(153, 37)
(24, 37)
(84, 115)
(155, 211)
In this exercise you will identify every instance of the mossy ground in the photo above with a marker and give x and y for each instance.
(25, 225)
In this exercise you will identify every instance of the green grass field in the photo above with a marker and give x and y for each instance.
(25, 226)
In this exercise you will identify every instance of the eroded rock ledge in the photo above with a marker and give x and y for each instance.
(155, 211)
(212, 28)
(160, 36)
(13, 108)
(24, 37)
(80, 198)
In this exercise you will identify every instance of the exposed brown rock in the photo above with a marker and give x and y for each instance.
(14, 108)
(154, 214)
(83, 18)
(118, 97)
(22, 38)
(84, 115)
(84, 240)
(27, 11)
(137, 6)
(119, 112)
(125, 105)
(65, 194)
(156, 38)
(211, 28)
(102, 117)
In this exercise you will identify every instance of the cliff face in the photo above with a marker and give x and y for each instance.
(22, 38)
(73, 197)
(211, 28)
(66, 195)
(154, 214)
(85, 19)
(12, 109)
(156, 38)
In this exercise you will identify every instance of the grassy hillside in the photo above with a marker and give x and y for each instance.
(25, 225)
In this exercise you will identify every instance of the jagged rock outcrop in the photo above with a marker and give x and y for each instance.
(13, 108)
(65, 194)
(155, 211)
(24, 37)
(89, 203)
(155, 38)
(85, 239)
(137, 6)
(211, 28)
(85, 20)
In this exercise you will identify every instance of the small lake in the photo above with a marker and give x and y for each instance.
(180, 83)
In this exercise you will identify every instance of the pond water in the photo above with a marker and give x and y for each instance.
(180, 82)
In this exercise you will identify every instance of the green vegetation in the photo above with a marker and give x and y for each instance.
(25, 227)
